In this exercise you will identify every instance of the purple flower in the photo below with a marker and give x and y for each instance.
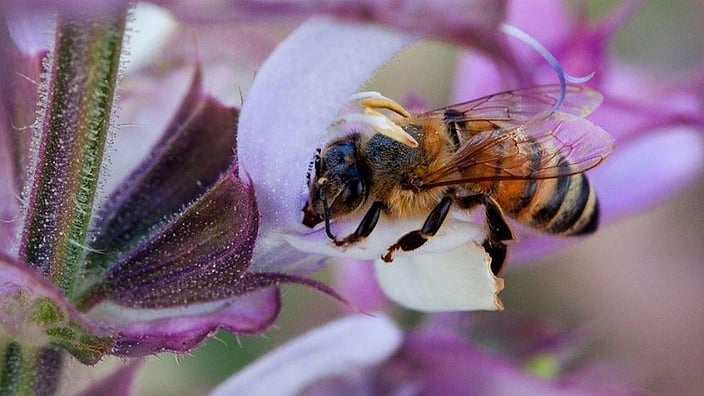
(371, 356)
(203, 231)
(163, 261)
(650, 117)
(632, 108)
(169, 256)
(461, 280)
(167, 264)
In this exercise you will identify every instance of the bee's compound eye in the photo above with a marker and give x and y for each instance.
(353, 192)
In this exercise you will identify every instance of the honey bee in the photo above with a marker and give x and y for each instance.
(515, 153)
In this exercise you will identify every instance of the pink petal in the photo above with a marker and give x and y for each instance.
(143, 332)
(648, 170)
(355, 280)
(343, 346)
(119, 383)
(295, 96)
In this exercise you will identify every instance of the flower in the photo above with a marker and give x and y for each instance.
(372, 356)
(642, 128)
(167, 257)
(147, 292)
(165, 260)
(194, 240)
(278, 171)
(650, 117)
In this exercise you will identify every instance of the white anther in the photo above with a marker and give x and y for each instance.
(371, 102)
(364, 95)
(380, 124)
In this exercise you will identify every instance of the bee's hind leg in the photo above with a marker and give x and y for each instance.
(498, 229)
(415, 239)
(365, 227)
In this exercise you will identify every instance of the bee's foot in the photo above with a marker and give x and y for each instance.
(340, 243)
(389, 255)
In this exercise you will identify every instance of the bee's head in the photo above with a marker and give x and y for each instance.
(338, 185)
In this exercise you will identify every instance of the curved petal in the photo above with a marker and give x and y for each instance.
(141, 332)
(342, 346)
(456, 280)
(355, 280)
(446, 364)
(195, 150)
(648, 170)
(452, 234)
(119, 383)
(296, 95)
(467, 22)
(200, 256)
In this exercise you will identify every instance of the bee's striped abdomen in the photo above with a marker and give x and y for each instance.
(564, 205)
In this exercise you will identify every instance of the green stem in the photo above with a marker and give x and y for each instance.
(79, 98)
(29, 371)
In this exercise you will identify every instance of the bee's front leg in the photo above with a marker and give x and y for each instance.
(415, 239)
(365, 227)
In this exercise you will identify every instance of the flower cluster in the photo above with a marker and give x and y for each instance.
(203, 230)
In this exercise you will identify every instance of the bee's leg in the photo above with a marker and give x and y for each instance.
(415, 239)
(371, 104)
(498, 229)
(365, 227)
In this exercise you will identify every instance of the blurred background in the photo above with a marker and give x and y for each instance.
(636, 284)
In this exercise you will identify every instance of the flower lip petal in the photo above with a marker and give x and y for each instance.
(455, 280)
(351, 343)
(453, 233)
(296, 95)
(142, 332)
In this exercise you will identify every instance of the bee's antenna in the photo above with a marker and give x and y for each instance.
(326, 208)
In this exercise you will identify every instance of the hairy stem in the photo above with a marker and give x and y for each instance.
(29, 371)
(78, 98)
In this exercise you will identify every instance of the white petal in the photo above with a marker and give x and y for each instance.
(341, 346)
(455, 280)
(296, 94)
(452, 234)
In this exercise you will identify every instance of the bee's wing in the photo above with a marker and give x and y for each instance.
(509, 109)
(550, 144)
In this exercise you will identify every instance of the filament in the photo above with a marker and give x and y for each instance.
(562, 76)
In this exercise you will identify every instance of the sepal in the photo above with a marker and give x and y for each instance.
(36, 314)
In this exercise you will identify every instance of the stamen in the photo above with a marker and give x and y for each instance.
(562, 76)
(380, 124)
(371, 100)
(371, 103)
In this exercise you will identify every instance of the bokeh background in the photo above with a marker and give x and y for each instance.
(636, 285)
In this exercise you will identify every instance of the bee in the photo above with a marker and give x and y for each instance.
(520, 154)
